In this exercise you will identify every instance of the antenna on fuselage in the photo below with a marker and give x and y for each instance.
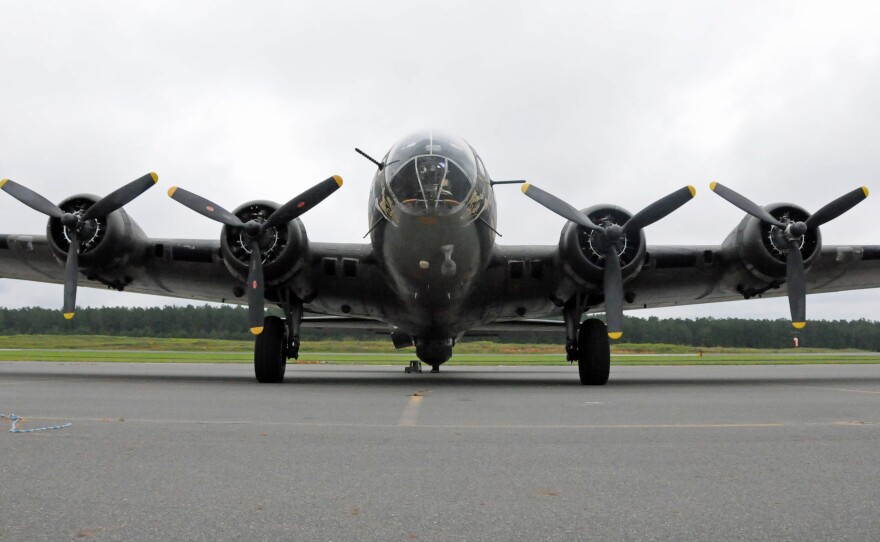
(379, 164)
(520, 181)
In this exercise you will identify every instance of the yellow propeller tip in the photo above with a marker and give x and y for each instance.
(692, 189)
(525, 187)
(338, 179)
(154, 176)
(257, 330)
(171, 191)
(864, 189)
(4, 181)
(799, 325)
(712, 186)
(615, 335)
(68, 315)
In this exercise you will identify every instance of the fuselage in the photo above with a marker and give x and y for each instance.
(432, 219)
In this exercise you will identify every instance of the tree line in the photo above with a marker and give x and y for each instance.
(227, 322)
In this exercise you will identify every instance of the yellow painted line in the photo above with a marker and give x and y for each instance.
(410, 416)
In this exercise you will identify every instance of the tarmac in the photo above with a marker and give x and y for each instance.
(203, 452)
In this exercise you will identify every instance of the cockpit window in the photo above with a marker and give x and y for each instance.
(430, 174)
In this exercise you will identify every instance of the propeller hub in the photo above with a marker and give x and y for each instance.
(781, 240)
(253, 229)
(88, 231)
(613, 233)
(70, 220)
(797, 229)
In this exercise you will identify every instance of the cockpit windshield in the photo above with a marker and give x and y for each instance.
(431, 174)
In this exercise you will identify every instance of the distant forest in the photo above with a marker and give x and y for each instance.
(231, 323)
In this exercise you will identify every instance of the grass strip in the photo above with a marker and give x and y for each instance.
(88, 348)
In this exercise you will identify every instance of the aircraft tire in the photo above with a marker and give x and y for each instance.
(269, 358)
(594, 353)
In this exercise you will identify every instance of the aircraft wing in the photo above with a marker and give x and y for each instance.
(702, 274)
(535, 281)
(189, 269)
(530, 278)
(194, 269)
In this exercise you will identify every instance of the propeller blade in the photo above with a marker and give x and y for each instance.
(31, 198)
(255, 289)
(837, 207)
(121, 196)
(745, 204)
(71, 273)
(559, 207)
(303, 202)
(797, 289)
(613, 287)
(660, 208)
(204, 207)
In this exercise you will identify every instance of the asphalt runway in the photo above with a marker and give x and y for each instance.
(202, 452)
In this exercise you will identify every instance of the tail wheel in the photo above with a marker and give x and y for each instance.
(594, 353)
(269, 356)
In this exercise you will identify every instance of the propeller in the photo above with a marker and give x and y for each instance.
(254, 229)
(610, 237)
(793, 232)
(75, 222)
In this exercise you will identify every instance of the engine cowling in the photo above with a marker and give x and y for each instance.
(582, 250)
(108, 245)
(284, 248)
(759, 249)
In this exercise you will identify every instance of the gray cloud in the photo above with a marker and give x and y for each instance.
(597, 102)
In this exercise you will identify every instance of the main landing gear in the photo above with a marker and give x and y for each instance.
(278, 342)
(270, 358)
(594, 352)
(587, 343)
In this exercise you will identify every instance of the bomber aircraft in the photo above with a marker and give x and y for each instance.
(432, 271)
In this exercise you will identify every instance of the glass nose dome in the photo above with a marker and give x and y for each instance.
(430, 173)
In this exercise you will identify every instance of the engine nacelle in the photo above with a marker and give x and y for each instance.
(284, 248)
(581, 250)
(108, 245)
(759, 249)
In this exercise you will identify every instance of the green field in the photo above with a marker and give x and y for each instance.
(88, 348)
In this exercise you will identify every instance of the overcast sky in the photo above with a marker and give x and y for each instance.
(597, 102)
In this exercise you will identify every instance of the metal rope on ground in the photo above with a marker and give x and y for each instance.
(15, 419)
